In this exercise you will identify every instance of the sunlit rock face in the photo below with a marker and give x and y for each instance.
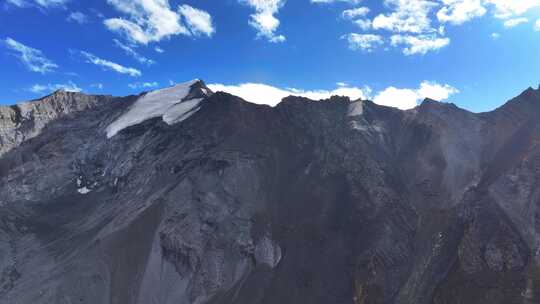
(183, 195)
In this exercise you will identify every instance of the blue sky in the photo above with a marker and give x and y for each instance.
(475, 53)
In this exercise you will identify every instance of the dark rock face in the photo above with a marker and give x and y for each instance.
(308, 202)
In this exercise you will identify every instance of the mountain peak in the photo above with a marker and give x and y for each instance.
(64, 92)
(430, 100)
(173, 104)
(530, 92)
(525, 105)
(188, 83)
(432, 104)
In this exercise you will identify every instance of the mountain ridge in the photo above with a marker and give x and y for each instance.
(60, 92)
(320, 202)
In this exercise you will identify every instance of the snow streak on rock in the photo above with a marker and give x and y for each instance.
(169, 103)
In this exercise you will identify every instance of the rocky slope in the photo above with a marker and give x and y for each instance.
(188, 196)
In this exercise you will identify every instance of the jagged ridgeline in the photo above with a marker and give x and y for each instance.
(183, 195)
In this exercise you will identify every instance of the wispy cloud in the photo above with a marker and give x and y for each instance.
(47, 88)
(109, 65)
(406, 16)
(33, 59)
(515, 22)
(37, 3)
(77, 17)
(421, 44)
(364, 42)
(355, 12)
(264, 19)
(98, 86)
(143, 85)
(335, 1)
(131, 52)
(198, 21)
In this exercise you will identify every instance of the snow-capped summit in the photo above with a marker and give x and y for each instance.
(174, 104)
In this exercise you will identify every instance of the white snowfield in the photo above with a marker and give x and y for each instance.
(165, 103)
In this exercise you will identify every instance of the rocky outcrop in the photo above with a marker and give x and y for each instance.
(332, 201)
(26, 120)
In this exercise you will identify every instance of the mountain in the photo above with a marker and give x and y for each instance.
(183, 195)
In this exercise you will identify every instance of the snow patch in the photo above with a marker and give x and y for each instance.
(167, 103)
(365, 127)
(84, 190)
(182, 111)
(356, 108)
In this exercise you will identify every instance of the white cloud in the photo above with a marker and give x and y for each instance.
(18, 3)
(505, 9)
(78, 17)
(399, 98)
(407, 16)
(364, 24)
(495, 36)
(33, 59)
(198, 21)
(109, 65)
(51, 3)
(355, 12)
(393, 97)
(153, 20)
(460, 11)
(264, 20)
(149, 20)
(131, 52)
(98, 86)
(515, 22)
(143, 85)
(418, 26)
(412, 45)
(364, 42)
(265, 94)
(436, 91)
(408, 98)
(159, 50)
(537, 25)
(47, 88)
(419, 44)
(37, 3)
(335, 1)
